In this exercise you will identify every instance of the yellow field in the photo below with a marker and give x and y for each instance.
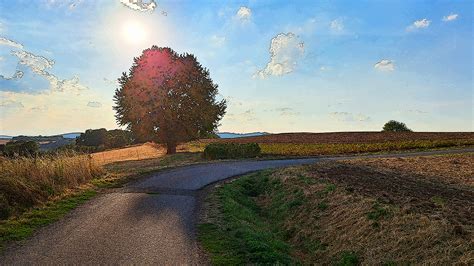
(144, 151)
(138, 152)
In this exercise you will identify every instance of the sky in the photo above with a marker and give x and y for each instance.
(282, 66)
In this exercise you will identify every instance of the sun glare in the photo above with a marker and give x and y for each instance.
(134, 32)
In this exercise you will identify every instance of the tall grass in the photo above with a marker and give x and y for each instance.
(26, 182)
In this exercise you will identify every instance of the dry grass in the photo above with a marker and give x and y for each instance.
(450, 169)
(25, 182)
(381, 222)
(137, 152)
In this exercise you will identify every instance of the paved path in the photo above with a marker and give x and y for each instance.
(138, 226)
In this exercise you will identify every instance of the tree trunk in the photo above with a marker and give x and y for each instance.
(170, 148)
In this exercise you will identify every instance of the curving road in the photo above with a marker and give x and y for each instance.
(148, 222)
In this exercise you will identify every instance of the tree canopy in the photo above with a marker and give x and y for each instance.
(395, 126)
(168, 98)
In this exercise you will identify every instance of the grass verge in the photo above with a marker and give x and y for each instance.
(243, 232)
(344, 213)
(24, 225)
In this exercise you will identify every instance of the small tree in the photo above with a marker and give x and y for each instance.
(395, 126)
(92, 137)
(168, 98)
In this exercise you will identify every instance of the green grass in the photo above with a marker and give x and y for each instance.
(23, 226)
(438, 201)
(245, 231)
(348, 258)
(245, 234)
(377, 213)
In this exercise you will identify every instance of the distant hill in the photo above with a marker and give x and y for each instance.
(230, 135)
(5, 137)
(72, 135)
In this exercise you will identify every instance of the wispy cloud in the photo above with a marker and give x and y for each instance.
(140, 5)
(450, 17)
(385, 65)
(41, 108)
(217, 40)
(419, 24)
(244, 13)
(285, 51)
(349, 117)
(94, 104)
(246, 116)
(11, 104)
(286, 111)
(337, 25)
(8, 42)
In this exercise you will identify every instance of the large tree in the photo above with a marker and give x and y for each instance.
(168, 98)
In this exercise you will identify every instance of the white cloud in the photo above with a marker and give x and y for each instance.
(7, 42)
(244, 13)
(94, 104)
(74, 4)
(17, 75)
(419, 24)
(385, 65)
(285, 50)
(349, 117)
(337, 25)
(450, 17)
(39, 65)
(140, 5)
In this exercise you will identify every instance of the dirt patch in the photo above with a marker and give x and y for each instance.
(416, 191)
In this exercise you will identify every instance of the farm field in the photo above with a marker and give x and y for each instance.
(308, 144)
(138, 152)
(416, 210)
(349, 137)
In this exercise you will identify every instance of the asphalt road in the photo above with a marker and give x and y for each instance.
(148, 222)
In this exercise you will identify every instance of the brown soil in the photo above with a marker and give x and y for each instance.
(349, 137)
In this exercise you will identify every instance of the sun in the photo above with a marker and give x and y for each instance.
(134, 32)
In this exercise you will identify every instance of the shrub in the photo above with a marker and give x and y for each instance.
(20, 148)
(94, 140)
(395, 126)
(231, 150)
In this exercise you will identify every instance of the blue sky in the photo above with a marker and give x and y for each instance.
(283, 66)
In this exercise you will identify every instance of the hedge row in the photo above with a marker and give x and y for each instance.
(231, 150)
